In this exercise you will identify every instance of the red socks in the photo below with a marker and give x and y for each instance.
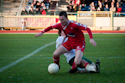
(86, 64)
(56, 60)
(74, 65)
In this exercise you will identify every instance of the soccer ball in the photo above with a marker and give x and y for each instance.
(53, 68)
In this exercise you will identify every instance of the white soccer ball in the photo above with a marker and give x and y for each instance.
(53, 68)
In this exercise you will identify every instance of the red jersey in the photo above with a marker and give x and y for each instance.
(73, 31)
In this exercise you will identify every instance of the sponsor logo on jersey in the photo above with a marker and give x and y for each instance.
(71, 27)
(71, 34)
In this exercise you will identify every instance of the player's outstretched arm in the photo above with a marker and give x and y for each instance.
(91, 37)
(93, 42)
(47, 29)
(39, 34)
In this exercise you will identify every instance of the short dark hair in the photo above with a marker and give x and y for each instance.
(63, 13)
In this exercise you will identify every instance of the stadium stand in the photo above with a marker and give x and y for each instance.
(10, 7)
(52, 8)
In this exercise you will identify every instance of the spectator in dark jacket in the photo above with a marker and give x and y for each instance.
(24, 12)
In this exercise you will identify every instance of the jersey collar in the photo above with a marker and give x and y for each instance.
(66, 25)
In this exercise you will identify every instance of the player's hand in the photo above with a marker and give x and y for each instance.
(39, 34)
(93, 42)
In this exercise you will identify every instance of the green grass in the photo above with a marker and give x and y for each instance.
(110, 50)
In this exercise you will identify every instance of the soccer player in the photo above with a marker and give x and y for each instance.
(70, 55)
(76, 40)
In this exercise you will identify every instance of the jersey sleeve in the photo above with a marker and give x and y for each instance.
(84, 27)
(90, 33)
(51, 27)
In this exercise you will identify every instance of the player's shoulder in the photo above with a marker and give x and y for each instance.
(57, 24)
(75, 23)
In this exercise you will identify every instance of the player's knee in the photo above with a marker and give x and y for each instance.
(55, 55)
(77, 63)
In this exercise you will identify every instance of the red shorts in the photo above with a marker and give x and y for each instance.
(77, 45)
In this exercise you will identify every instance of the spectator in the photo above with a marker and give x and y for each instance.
(34, 3)
(106, 8)
(100, 7)
(76, 7)
(43, 12)
(92, 7)
(120, 3)
(72, 2)
(31, 12)
(118, 9)
(123, 2)
(83, 8)
(32, 6)
(38, 5)
(77, 2)
(107, 2)
(37, 11)
(43, 6)
(96, 3)
(47, 3)
(70, 8)
(112, 8)
(113, 2)
(24, 12)
(92, 4)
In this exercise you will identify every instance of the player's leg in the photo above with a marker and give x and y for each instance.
(82, 69)
(77, 61)
(72, 60)
(89, 61)
(56, 55)
(78, 57)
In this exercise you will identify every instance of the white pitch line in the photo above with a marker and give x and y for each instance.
(25, 57)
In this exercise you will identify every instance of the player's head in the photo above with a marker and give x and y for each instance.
(63, 18)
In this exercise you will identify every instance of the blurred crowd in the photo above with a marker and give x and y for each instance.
(36, 7)
(96, 5)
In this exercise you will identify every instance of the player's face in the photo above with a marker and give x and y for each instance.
(63, 20)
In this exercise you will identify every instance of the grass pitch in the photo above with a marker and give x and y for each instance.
(33, 69)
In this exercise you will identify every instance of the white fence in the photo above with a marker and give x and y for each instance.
(94, 20)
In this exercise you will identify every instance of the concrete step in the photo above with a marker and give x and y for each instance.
(13, 14)
(65, 6)
(5, 14)
(62, 9)
(13, 11)
(63, 3)
(6, 11)
(8, 6)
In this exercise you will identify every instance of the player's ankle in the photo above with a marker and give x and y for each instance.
(74, 65)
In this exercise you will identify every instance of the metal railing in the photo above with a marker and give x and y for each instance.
(23, 2)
